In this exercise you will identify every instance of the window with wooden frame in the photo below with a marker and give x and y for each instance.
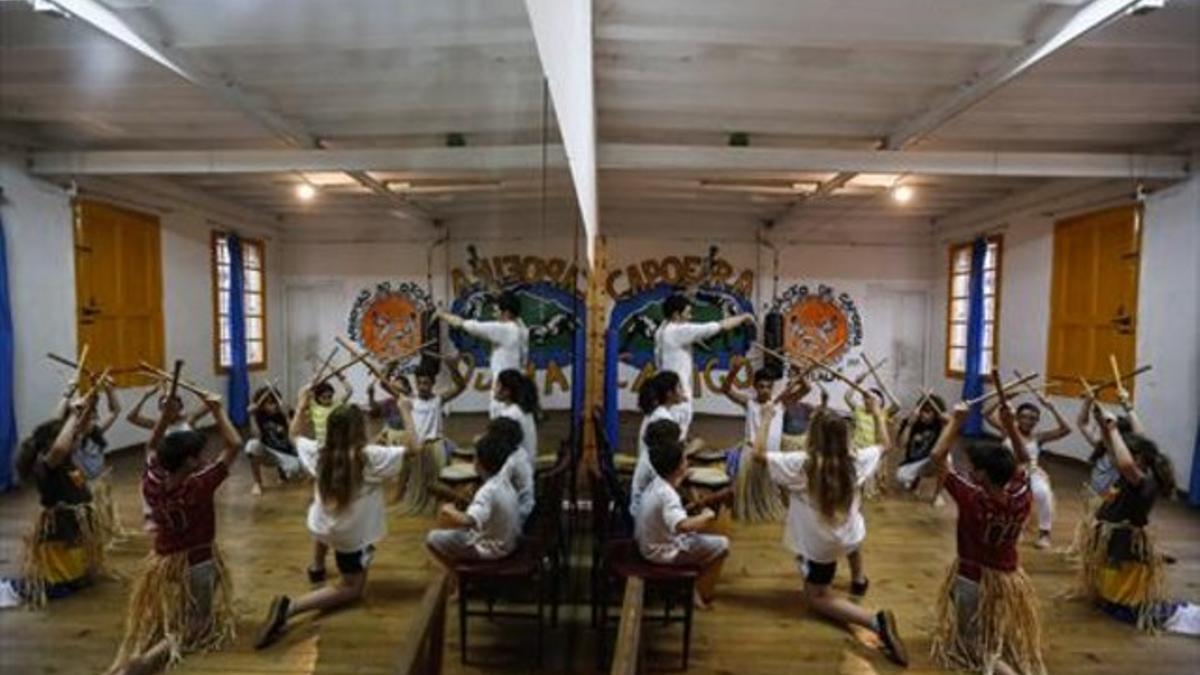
(254, 302)
(959, 301)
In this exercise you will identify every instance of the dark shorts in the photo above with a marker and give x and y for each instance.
(354, 562)
(817, 573)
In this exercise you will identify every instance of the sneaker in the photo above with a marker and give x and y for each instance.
(316, 575)
(1043, 541)
(892, 644)
(859, 588)
(256, 490)
(275, 622)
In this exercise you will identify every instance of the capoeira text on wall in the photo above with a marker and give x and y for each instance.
(677, 271)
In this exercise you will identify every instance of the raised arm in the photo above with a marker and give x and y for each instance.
(136, 418)
(229, 435)
(1135, 422)
(940, 456)
(199, 413)
(64, 404)
(347, 389)
(452, 320)
(1121, 455)
(1062, 428)
(68, 436)
(114, 408)
(883, 433)
(302, 418)
(404, 405)
(459, 378)
(727, 385)
(1084, 424)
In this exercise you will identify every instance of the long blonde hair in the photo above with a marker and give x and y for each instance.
(830, 466)
(340, 464)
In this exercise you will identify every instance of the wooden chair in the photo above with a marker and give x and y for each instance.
(610, 519)
(674, 583)
(546, 526)
(490, 577)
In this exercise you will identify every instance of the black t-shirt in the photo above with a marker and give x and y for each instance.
(921, 441)
(62, 485)
(273, 431)
(1129, 503)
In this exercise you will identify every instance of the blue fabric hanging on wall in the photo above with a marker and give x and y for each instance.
(8, 414)
(578, 365)
(1194, 489)
(976, 370)
(238, 396)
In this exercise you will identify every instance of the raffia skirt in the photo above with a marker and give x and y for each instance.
(55, 558)
(188, 605)
(420, 470)
(756, 498)
(980, 624)
(1120, 568)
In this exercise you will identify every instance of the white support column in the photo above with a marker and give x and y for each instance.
(563, 32)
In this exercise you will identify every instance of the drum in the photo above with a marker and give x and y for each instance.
(708, 478)
(458, 474)
(545, 462)
(625, 463)
(708, 456)
(466, 453)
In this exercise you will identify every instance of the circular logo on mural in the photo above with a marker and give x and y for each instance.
(820, 323)
(387, 320)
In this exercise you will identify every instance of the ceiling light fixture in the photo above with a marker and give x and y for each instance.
(305, 192)
(903, 194)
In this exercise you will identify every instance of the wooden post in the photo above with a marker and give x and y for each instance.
(628, 649)
(597, 324)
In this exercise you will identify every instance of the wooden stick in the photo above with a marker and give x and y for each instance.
(324, 365)
(817, 364)
(165, 376)
(82, 360)
(346, 366)
(1112, 361)
(171, 393)
(1027, 386)
(375, 370)
(1128, 376)
(999, 385)
(73, 365)
(879, 380)
(989, 396)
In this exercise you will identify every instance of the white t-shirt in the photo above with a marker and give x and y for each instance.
(509, 340)
(518, 469)
(497, 522)
(807, 532)
(362, 521)
(654, 527)
(754, 418)
(427, 416)
(529, 432)
(673, 348)
(1031, 446)
(643, 472)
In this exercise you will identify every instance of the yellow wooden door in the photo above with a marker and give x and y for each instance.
(118, 288)
(1093, 301)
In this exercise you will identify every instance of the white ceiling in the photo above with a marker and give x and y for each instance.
(389, 73)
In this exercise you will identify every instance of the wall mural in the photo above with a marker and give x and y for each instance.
(819, 323)
(548, 307)
(388, 320)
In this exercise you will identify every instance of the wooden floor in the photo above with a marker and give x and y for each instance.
(759, 624)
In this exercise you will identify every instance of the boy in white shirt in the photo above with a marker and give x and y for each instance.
(518, 468)
(675, 336)
(509, 336)
(490, 526)
(824, 520)
(665, 533)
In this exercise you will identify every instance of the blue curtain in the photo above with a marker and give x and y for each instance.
(8, 415)
(976, 370)
(578, 364)
(238, 397)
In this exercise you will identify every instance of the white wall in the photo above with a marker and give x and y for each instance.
(1169, 292)
(38, 223)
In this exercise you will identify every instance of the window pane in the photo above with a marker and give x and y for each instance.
(987, 360)
(989, 332)
(222, 251)
(250, 256)
(253, 304)
(989, 259)
(222, 277)
(962, 259)
(958, 360)
(226, 357)
(254, 327)
(989, 309)
(989, 282)
(254, 352)
(253, 280)
(223, 303)
(223, 321)
(961, 286)
(958, 335)
(958, 310)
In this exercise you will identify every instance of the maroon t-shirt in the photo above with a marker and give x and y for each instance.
(989, 526)
(183, 512)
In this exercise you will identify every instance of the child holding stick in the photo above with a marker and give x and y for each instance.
(270, 442)
(988, 618)
(755, 497)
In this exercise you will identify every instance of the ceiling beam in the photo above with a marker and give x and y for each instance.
(147, 42)
(616, 156)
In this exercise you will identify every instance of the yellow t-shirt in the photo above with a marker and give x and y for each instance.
(320, 418)
(864, 428)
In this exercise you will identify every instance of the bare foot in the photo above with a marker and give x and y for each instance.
(256, 490)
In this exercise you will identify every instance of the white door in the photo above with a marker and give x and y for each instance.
(316, 314)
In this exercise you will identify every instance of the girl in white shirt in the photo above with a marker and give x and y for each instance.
(824, 519)
(660, 398)
(517, 400)
(509, 336)
(347, 512)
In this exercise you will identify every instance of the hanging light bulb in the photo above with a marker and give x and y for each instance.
(903, 193)
(305, 192)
